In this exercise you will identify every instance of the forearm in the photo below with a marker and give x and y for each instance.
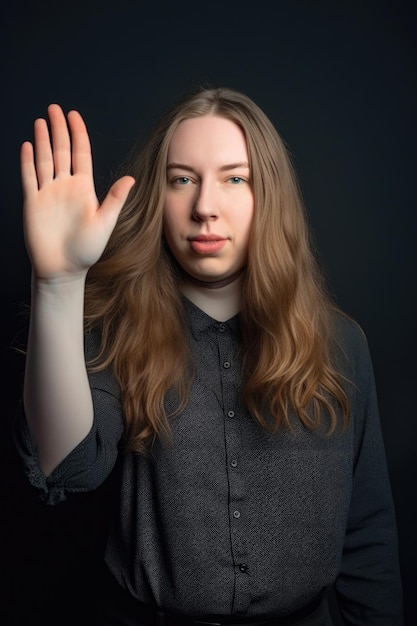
(57, 396)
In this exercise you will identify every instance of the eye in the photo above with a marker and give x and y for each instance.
(236, 180)
(181, 180)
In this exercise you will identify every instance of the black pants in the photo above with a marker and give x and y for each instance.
(118, 608)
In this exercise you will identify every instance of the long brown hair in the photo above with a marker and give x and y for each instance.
(132, 293)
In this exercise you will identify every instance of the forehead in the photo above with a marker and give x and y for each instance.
(208, 136)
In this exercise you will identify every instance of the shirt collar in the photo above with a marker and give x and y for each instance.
(200, 323)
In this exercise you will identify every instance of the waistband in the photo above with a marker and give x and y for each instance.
(314, 613)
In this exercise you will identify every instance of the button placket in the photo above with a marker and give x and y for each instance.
(230, 380)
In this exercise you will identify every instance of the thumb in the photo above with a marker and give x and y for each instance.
(115, 198)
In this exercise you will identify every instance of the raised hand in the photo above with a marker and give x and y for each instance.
(66, 229)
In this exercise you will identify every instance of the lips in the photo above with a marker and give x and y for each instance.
(207, 244)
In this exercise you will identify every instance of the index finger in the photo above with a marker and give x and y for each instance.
(82, 162)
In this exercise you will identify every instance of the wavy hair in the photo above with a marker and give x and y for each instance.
(132, 293)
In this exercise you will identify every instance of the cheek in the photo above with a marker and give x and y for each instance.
(167, 230)
(174, 209)
(170, 218)
(172, 229)
(246, 220)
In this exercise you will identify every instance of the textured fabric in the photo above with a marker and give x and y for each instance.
(232, 519)
(116, 607)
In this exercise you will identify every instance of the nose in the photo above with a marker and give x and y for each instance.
(206, 205)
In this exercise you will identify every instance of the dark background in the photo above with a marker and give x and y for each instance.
(338, 79)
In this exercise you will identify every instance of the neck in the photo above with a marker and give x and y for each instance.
(221, 299)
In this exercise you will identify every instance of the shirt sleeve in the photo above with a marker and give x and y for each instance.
(88, 465)
(368, 588)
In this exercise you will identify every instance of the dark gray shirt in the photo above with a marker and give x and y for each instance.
(232, 519)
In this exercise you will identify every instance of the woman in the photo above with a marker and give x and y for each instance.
(183, 326)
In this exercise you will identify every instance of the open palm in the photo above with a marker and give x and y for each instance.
(66, 228)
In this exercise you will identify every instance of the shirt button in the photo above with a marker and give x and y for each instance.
(243, 568)
(230, 413)
(226, 365)
(236, 514)
(222, 328)
(233, 463)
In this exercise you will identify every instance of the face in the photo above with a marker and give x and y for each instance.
(209, 204)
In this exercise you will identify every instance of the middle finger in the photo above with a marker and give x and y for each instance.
(61, 144)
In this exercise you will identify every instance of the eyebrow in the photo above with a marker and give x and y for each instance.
(223, 168)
